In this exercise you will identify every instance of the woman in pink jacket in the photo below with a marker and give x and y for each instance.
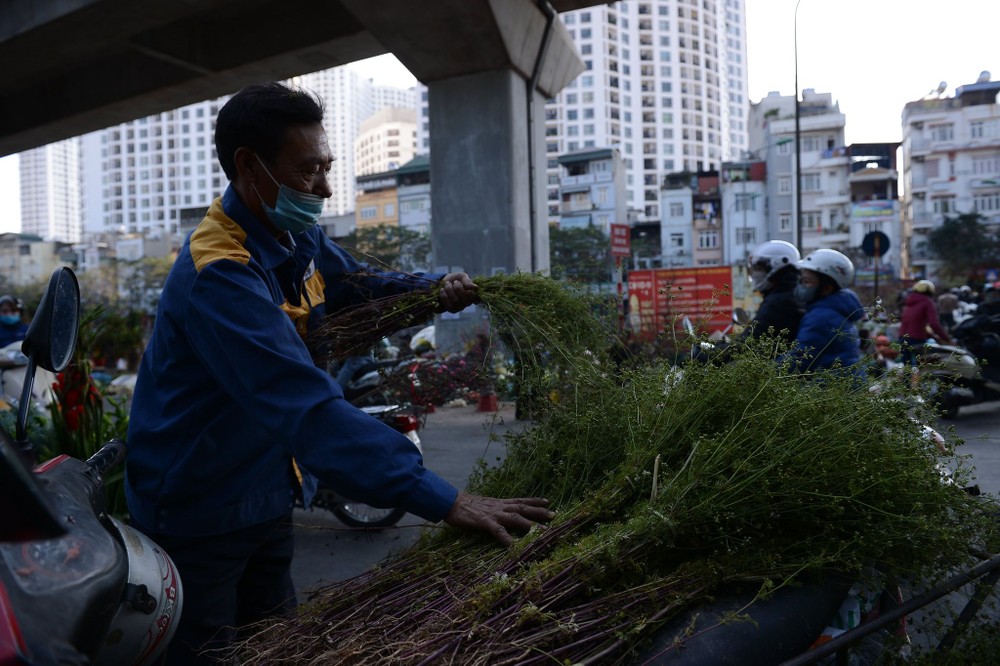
(920, 321)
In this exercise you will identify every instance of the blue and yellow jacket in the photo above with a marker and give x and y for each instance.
(227, 392)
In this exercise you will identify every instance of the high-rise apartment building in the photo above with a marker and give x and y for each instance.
(665, 84)
(139, 175)
(386, 141)
(951, 164)
(50, 191)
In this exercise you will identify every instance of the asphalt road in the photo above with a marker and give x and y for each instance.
(454, 440)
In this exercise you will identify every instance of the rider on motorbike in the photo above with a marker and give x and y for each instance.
(12, 326)
(774, 271)
(828, 334)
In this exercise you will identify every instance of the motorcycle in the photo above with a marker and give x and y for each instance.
(13, 367)
(358, 514)
(970, 374)
(77, 586)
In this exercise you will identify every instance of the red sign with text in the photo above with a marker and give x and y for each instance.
(621, 241)
(660, 298)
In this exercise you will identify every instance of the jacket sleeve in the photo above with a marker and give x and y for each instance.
(251, 347)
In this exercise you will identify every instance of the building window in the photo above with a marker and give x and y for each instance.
(811, 182)
(785, 146)
(708, 239)
(986, 203)
(986, 166)
(677, 240)
(943, 132)
(785, 185)
(812, 220)
(982, 129)
(676, 209)
(784, 222)
(746, 201)
(746, 236)
(943, 205)
(389, 210)
(369, 212)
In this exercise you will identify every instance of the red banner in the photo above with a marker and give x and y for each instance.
(621, 241)
(659, 299)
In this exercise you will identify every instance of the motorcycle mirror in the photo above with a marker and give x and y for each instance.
(740, 316)
(51, 337)
(49, 342)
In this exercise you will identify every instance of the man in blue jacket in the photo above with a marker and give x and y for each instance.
(228, 394)
(828, 334)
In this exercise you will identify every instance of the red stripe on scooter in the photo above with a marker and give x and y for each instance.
(49, 464)
(12, 647)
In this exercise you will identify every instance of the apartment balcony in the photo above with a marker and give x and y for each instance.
(873, 175)
(922, 220)
(840, 236)
(833, 157)
(839, 198)
(919, 146)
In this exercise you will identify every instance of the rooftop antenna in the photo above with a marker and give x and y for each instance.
(984, 77)
(942, 87)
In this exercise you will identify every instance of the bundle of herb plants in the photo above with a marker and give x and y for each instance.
(668, 484)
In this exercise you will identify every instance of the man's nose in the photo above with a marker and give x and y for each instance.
(322, 187)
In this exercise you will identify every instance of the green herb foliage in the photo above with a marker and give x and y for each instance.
(668, 482)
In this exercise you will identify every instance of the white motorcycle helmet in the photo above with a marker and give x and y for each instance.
(769, 258)
(830, 263)
(151, 605)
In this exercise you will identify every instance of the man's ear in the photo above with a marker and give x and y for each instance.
(246, 165)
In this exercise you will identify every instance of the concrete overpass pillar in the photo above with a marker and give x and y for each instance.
(489, 65)
(482, 179)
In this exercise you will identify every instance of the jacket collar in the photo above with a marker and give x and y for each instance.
(270, 251)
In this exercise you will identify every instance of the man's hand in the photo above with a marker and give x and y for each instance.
(458, 291)
(497, 516)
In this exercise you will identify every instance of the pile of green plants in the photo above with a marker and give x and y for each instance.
(668, 483)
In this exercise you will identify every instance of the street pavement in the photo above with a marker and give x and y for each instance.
(454, 440)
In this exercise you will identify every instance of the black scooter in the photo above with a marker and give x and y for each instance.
(969, 374)
(77, 586)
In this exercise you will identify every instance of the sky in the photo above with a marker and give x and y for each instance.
(873, 56)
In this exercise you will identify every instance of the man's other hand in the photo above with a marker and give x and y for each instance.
(498, 516)
(458, 291)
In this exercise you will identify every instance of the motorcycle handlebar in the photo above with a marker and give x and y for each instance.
(111, 455)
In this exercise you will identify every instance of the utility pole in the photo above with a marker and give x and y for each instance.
(798, 140)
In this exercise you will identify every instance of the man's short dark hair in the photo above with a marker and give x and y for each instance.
(258, 117)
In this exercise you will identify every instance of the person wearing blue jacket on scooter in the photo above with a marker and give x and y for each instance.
(228, 394)
(828, 333)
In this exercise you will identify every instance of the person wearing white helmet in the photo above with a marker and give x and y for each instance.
(828, 333)
(774, 272)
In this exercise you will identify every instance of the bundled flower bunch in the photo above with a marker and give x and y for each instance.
(77, 406)
(81, 422)
(432, 382)
(669, 485)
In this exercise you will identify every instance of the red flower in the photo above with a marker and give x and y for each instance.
(72, 420)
